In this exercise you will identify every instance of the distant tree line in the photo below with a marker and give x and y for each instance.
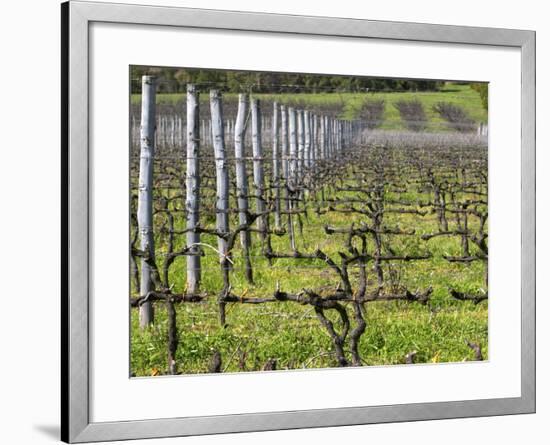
(483, 90)
(174, 80)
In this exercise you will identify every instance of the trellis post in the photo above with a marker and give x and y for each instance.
(222, 193)
(290, 169)
(242, 181)
(258, 168)
(145, 194)
(322, 144)
(192, 187)
(307, 139)
(276, 164)
(301, 141)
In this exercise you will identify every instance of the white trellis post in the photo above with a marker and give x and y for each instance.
(288, 138)
(301, 141)
(329, 137)
(322, 144)
(258, 168)
(276, 164)
(292, 171)
(222, 173)
(222, 192)
(242, 181)
(315, 144)
(337, 136)
(284, 143)
(145, 194)
(192, 188)
(307, 139)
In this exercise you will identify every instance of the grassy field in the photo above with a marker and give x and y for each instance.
(350, 103)
(291, 333)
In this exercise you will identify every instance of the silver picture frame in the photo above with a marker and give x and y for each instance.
(75, 396)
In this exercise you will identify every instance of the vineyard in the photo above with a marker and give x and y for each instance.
(271, 235)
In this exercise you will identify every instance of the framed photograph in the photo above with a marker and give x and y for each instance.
(275, 222)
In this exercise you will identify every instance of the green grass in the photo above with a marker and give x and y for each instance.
(457, 94)
(291, 333)
(293, 336)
